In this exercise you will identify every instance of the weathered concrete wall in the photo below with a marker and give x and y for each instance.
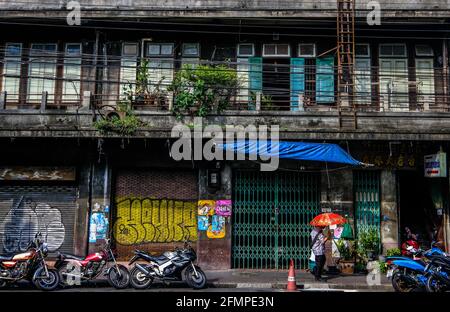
(224, 8)
(413, 126)
(337, 191)
(337, 197)
(215, 253)
(389, 211)
(82, 217)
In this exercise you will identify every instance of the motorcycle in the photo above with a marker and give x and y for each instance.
(73, 269)
(170, 266)
(408, 248)
(29, 265)
(438, 274)
(411, 274)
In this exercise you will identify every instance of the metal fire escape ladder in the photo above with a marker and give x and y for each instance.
(346, 63)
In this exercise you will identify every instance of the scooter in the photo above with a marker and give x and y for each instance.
(412, 275)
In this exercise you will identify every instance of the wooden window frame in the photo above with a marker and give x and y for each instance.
(276, 49)
(393, 55)
(307, 55)
(240, 55)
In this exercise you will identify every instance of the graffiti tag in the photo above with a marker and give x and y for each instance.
(145, 220)
(27, 218)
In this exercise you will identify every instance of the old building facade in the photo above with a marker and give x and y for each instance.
(60, 175)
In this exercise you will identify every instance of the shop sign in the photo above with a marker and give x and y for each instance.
(436, 165)
(402, 161)
(19, 173)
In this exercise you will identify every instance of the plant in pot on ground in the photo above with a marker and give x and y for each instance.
(202, 89)
(347, 256)
(368, 244)
(393, 252)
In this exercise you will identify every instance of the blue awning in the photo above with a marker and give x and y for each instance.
(324, 152)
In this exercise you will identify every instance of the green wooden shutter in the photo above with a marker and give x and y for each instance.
(325, 80)
(255, 78)
(297, 81)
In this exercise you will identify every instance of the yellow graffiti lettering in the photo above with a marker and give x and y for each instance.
(149, 220)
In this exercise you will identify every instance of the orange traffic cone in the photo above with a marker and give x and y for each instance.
(291, 285)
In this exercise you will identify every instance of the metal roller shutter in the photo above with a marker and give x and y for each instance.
(155, 210)
(27, 209)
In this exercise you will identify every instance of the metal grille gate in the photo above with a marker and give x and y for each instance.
(271, 215)
(367, 200)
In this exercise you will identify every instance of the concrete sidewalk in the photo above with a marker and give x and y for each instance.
(234, 278)
(278, 280)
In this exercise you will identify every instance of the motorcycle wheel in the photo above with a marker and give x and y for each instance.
(434, 285)
(195, 281)
(48, 283)
(399, 283)
(119, 281)
(139, 280)
(3, 284)
(64, 281)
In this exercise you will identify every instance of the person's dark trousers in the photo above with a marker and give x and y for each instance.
(320, 262)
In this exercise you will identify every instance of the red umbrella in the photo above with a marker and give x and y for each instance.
(328, 218)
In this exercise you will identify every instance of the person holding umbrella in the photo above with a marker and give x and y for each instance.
(318, 249)
(319, 239)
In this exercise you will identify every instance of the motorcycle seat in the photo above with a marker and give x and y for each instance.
(70, 256)
(6, 258)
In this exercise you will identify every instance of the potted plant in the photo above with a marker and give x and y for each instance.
(369, 243)
(203, 89)
(347, 256)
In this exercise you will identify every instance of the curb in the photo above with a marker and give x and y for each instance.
(300, 286)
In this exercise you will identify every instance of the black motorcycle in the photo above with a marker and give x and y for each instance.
(170, 266)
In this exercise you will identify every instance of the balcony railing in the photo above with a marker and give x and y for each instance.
(399, 94)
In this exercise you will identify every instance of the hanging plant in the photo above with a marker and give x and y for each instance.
(124, 122)
(202, 89)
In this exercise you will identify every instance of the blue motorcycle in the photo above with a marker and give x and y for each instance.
(438, 270)
(411, 274)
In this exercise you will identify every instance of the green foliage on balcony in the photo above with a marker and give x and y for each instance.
(201, 89)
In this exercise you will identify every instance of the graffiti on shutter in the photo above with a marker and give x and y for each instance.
(149, 220)
(26, 210)
(155, 210)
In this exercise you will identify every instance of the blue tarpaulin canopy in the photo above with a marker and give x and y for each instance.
(324, 152)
